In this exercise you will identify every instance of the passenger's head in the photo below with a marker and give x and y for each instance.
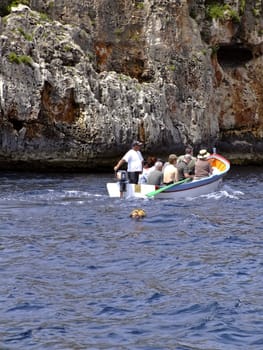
(189, 150)
(172, 158)
(145, 164)
(136, 145)
(151, 160)
(158, 165)
(187, 158)
(160, 160)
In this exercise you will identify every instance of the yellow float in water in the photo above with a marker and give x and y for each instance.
(137, 213)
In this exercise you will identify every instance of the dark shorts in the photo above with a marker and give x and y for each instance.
(133, 177)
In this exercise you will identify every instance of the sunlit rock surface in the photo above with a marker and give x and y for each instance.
(79, 80)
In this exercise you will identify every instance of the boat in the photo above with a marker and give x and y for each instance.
(178, 190)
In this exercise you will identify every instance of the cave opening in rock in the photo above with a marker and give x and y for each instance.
(231, 56)
(17, 124)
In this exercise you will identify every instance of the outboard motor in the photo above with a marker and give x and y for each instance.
(123, 180)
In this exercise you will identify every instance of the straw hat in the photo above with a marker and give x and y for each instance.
(203, 154)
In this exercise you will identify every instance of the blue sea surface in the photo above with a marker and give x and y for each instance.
(78, 273)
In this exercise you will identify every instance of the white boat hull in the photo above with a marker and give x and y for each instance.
(132, 190)
(191, 192)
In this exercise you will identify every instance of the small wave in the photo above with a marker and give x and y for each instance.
(222, 194)
(20, 336)
(227, 193)
(113, 310)
(234, 192)
(155, 297)
(50, 195)
(26, 307)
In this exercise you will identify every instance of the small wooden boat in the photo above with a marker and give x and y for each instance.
(178, 190)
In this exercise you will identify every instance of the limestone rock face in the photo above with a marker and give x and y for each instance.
(79, 80)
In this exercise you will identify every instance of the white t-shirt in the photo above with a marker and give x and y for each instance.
(134, 160)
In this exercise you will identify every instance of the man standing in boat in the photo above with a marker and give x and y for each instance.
(134, 159)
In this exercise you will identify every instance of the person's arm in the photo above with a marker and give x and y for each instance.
(119, 164)
(142, 160)
(176, 176)
(210, 169)
(187, 175)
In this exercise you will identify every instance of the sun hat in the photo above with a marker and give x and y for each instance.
(203, 154)
(136, 143)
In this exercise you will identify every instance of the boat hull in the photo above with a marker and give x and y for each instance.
(132, 190)
(191, 190)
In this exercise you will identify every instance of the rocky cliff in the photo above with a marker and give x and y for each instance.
(79, 80)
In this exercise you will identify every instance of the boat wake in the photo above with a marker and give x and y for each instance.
(225, 192)
(50, 196)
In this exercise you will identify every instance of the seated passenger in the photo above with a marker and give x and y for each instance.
(191, 164)
(202, 166)
(170, 173)
(155, 177)
(151, 160)
(145, 171)
(148, 166)
(183, 170)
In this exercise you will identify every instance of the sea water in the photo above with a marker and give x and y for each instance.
(77, 272)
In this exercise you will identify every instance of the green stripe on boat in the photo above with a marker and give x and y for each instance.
(153, 193)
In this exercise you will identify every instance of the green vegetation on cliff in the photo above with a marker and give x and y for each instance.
(222, 12)
(14, 58)
(6, 5)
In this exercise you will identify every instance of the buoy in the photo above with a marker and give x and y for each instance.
(137, 213)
